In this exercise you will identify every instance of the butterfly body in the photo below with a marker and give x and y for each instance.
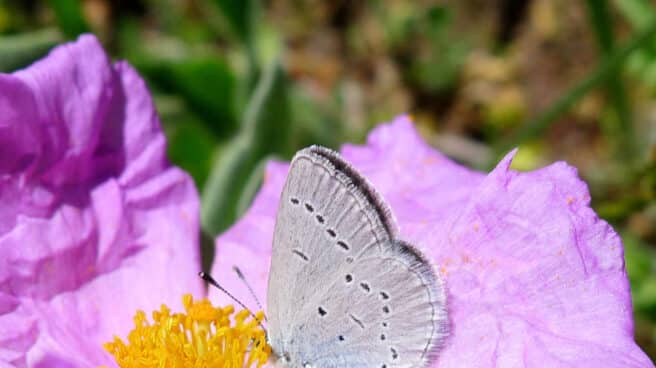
(344, 291)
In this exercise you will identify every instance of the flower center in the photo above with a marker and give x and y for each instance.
(204, 336)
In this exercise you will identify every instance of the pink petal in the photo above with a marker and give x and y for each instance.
(100, 225)
(535, 278)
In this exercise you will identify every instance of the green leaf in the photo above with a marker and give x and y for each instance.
(315, 123)
(207, 85)
(436, 69)
(20, 50)
(70, 17)
(620, 128)
(252, 185)
(601, 23)
(641, 268)
(596, 78)
(639, 259)
(241, 15)
(640, 13)
(265, 130)
(190, 146)
(243, 18)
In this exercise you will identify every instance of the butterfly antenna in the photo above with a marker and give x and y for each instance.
(248, 286)
(213, 282)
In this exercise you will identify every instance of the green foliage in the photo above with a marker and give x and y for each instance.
(605, 70)
(194, 158)
(641, 267)
(437, 69)
(69, 17)
(207, 85)
(620, 125)
(641, 14)
(240, 15)
(21, 49)
(264, 131)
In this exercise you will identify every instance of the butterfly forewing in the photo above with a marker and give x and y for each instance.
(342, 290)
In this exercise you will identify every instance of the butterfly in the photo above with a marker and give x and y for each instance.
(344, 290)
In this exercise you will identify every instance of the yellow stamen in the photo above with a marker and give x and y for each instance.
(202, 337)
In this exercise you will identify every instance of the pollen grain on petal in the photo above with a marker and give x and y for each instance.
(203, 336)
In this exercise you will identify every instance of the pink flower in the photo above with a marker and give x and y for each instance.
(94, 222)
(534, 277)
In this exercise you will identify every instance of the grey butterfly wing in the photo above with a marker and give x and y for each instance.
(390, 313)
(343, 291)
(330, 231)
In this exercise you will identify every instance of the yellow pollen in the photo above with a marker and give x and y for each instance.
(204, 336)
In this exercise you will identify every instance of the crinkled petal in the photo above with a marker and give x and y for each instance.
(534, 277)
(102, 225)
(20, 145)
(19, 138)
(72, 105)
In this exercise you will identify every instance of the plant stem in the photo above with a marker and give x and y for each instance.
(607, 68)
(620, 128)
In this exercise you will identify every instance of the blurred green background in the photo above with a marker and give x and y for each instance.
(238, 82)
